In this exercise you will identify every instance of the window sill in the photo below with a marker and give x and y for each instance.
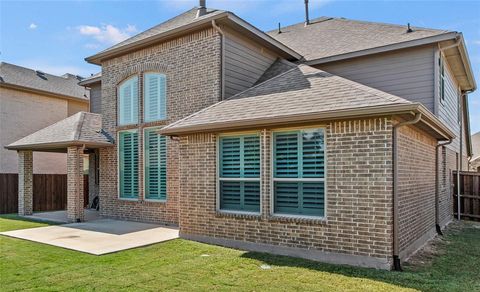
(129, 199)
(297, 218)
(238, 214)
(161, 201)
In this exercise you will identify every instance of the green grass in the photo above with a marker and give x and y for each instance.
(183, 265)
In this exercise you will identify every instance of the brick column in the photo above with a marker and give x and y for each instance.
(75, 211)
(25, 183)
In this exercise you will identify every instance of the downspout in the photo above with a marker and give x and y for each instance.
(222, 59)
(437, 187)
(396, 245)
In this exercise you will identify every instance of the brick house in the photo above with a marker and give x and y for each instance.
(29, 101)
(300, 142)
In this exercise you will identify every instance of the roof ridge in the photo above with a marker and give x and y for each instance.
(78, 130)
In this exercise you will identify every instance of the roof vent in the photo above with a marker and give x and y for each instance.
(409, 29)
(40, 73)
(202, 8)
(307, 19)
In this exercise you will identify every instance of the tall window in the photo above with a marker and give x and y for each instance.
(155, 92)
(442, 79)
(155, 153)
(128, 163)
(239, 173)
(299, 172)
(128, 102)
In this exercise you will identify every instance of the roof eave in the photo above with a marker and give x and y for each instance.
(382, 49)
(468, 66)
(396, 109)
(58, 145)
(42, 92)
(90, 81)
(96, 59)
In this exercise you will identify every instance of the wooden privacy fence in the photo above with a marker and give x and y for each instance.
(49, 192)
(469, 195)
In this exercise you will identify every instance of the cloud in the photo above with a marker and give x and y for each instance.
(32, 26)
(106, 34)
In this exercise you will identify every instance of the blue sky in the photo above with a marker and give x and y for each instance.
(55, 36)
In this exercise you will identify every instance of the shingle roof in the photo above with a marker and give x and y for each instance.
(302, 90)
(20, 76)
(81, 128)
(327, 36)
(180, 20)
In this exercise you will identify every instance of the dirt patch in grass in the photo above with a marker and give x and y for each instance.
(436, 247)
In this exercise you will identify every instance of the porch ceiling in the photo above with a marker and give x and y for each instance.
(81, 129)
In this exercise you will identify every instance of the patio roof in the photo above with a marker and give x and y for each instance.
(81, 129)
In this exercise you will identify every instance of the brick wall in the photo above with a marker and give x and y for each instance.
(192, 66)
(416, 188)
(359, 195)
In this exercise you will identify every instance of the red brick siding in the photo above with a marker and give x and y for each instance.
(192, 66)
(416, 184)
(359, 195)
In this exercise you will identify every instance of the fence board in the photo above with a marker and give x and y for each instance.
(469, 195)
(49, 192)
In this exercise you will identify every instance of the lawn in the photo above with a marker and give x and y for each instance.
(185, 265)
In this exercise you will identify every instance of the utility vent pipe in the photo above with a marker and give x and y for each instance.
(307, 19)
(202, 8)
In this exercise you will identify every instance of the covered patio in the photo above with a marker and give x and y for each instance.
(77, 135)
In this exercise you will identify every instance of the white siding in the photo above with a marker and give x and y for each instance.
(245, 62)
(407, 73)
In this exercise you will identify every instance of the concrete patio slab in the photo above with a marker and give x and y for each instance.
(61, 216)
(98, 237)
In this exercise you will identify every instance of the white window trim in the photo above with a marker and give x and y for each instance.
(144, 176)
(274, 179)
(144, 100)
(118, 168)
(218, 178)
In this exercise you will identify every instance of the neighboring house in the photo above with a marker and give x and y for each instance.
(29, 101)
(242, 138)
(475, 160)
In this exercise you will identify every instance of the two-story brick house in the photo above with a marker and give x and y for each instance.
(270, 142)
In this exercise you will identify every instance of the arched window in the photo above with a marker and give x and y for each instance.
(154, 97)
(128, 102)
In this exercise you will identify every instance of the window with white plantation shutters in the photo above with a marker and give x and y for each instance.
(299, 172)
(154, 93)
(239, 173)
(128, 163)
(155, 165)
(128, 102)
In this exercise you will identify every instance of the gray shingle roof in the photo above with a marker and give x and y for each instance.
(180, 20)
(78, 129)
(327, 36)
(302, 90)
(97, 77)
(20, 76)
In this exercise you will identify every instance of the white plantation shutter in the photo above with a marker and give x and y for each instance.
(154, 97)
(128, 102)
